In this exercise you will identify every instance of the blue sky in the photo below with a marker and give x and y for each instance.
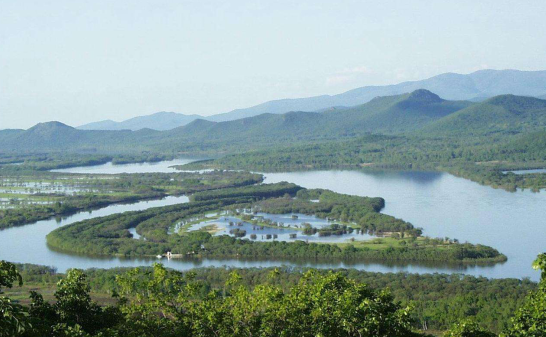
(83, 61)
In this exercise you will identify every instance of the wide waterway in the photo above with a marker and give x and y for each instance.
(165, 166)
(443, 205)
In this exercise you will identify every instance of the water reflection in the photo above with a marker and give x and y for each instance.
(417, 177)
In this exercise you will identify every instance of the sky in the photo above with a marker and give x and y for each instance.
(82, 61)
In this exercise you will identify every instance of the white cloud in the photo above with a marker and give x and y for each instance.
(355, 70)
(338, 79)
(346, 75)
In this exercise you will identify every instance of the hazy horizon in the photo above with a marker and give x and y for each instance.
(84, 62)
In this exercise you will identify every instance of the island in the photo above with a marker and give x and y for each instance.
(396, 238)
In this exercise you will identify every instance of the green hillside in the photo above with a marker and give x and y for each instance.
(390, 114)
(396, 114)
(56, 136)
(530, 147)
(500, 115)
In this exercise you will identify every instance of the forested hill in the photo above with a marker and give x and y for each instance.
(56, 136)
(395, 114)
(507, 114)
(421, 112)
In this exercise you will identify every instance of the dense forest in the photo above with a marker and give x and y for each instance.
(438, 300)
(160, 302)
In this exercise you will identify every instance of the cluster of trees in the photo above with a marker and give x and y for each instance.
(182, 182)
(333, 229)
(110, 235)
(495, 177)
(238, 233)
(254, 192)
(364, 212)
(160, 302)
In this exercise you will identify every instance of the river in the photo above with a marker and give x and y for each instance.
(443, 205)
(164, 166)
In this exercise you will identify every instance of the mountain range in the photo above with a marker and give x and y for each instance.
(158, 121)
(419, 113)
(476, 87)
(389, 114)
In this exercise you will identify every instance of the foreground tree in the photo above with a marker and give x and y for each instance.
(74, 313)
(468, 329)
(530, 320)
(330, 305)
(155, 303)
(13, 320)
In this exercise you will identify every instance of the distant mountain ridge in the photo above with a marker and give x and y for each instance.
(477, 86)
(158, 121)
(389, 114)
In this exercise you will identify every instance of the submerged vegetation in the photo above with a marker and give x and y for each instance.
(99, 191)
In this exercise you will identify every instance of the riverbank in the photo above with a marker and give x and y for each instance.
(493, 174)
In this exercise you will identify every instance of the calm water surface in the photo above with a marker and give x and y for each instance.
(443, 205)
(527, 171)
(109, 168)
